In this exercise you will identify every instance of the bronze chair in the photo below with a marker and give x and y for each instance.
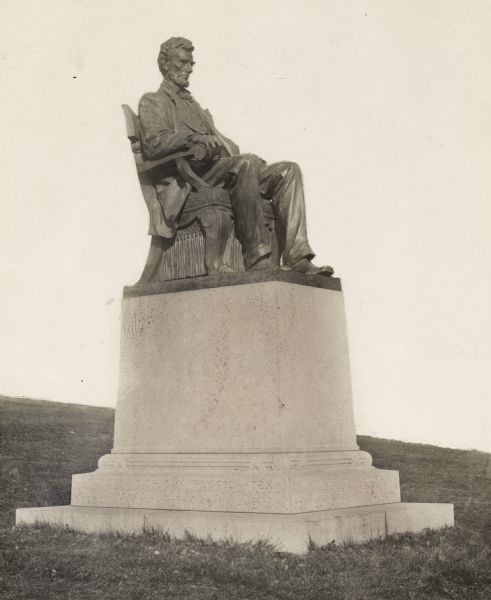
(205, 240)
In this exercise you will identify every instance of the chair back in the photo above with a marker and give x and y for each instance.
(132, 128)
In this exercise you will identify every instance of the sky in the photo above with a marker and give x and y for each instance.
(385, 104)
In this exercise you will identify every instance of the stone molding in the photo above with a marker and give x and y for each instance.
(238, 462)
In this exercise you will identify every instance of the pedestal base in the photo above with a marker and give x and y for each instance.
(290, 533)
(235, 419)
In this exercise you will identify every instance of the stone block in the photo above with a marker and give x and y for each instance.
(246, 491)
(290, 533)
(260, 368)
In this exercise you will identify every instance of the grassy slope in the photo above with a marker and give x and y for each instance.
(43, 443)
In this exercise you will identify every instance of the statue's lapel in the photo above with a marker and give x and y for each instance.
(196, 122)
(194, 127)
(184, 117)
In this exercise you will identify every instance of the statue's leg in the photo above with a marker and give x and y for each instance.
(217, 224)
(282, 182)
(240, 174)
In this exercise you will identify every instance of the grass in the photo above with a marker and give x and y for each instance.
(43, 443)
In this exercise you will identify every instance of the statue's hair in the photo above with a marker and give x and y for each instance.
(167, 49)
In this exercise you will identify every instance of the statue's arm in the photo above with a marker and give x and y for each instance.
(157, 135)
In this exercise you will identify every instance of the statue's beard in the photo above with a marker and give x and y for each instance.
(179, 79)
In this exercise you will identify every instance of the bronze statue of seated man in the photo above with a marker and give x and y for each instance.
(171, 121)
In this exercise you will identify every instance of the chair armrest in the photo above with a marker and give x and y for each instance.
(197, 152)
(144, 166)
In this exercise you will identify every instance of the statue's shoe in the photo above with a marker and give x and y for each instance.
(257, 255)
(264, 264)
(304, 265)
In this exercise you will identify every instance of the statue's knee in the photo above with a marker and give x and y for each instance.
(292, 167)
(289, 170)
(248, 165)
(250, 160)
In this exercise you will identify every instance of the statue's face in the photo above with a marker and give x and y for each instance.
(180, 67)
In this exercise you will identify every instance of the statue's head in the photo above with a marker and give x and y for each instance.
(176, 60)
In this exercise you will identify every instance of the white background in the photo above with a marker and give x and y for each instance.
(386, 105)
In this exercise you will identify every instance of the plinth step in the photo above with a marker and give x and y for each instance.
(289, 532)
(226, 490)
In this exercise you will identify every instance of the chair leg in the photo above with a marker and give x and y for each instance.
(217, 225)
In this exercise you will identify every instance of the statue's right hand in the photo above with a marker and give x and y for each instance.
(210, 142)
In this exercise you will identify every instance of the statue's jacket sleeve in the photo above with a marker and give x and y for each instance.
(164, 130)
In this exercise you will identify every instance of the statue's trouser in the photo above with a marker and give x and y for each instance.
(252, 180)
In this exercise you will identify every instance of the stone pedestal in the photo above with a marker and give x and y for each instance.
(235, 418)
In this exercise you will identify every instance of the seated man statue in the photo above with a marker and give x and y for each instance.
(171, 121)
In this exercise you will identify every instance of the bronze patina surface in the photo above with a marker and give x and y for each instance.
(181, 154)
